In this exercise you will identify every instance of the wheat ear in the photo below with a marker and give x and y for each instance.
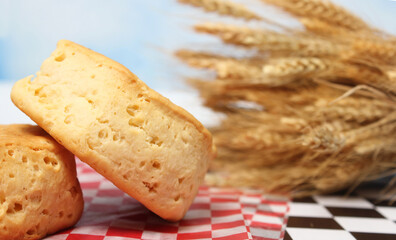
(268, 40)
(376, 50)
(295, 67)
(225, 67)
(322, 10)
(320, 27)
(223, 7)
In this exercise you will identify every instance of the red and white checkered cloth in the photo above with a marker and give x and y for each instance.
(110, 214)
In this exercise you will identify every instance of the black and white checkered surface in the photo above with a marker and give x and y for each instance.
(360, 216)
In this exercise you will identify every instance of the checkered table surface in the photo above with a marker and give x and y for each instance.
(360, 216)
(110, 214)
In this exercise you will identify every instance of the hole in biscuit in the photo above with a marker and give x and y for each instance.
(147, 100)
(68, 119)
(73, 192)
(61, 214)
(70, 215)
(133, 123)
(31, 231)
(181, 180)
(127, 175)
(102, 120)
(151, 186)
(14, 209)
(73, 53)
(11, 175)
(103, 134)
(35, 198)
(10, 153)
(191, 187)
(177, 198)
(100, 65)
(116, 137)
(142, 163)
(66, 109)
(154, 140)
(60, 57)
(24, 159)
(45, 212)
(2, 199)
(156, 165)
(140, 95)
(36, 167)
(184, 139)
(131, 109)
(50, 160)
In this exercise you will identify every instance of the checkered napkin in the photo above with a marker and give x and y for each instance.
(110, 214)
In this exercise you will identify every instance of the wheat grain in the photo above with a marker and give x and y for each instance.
(223, 7)
(322, 10)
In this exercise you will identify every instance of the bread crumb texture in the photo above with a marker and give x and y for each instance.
(39, 190)
(150, 148)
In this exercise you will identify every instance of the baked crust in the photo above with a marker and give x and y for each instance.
(39, 190)
(150, 148)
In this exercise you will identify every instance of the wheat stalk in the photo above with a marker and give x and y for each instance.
(223, 7)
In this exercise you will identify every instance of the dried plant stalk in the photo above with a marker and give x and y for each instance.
(312, 111)
(223, 7)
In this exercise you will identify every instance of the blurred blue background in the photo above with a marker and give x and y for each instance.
(139, 34)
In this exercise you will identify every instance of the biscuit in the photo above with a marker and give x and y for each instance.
(150, 148)
(39, 190)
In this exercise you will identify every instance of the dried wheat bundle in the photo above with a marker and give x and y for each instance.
(312, 111)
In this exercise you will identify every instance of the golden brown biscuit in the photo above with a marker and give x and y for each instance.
(150, 148)
(39, 190)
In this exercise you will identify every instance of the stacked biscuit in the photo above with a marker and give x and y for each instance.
(102, 113)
